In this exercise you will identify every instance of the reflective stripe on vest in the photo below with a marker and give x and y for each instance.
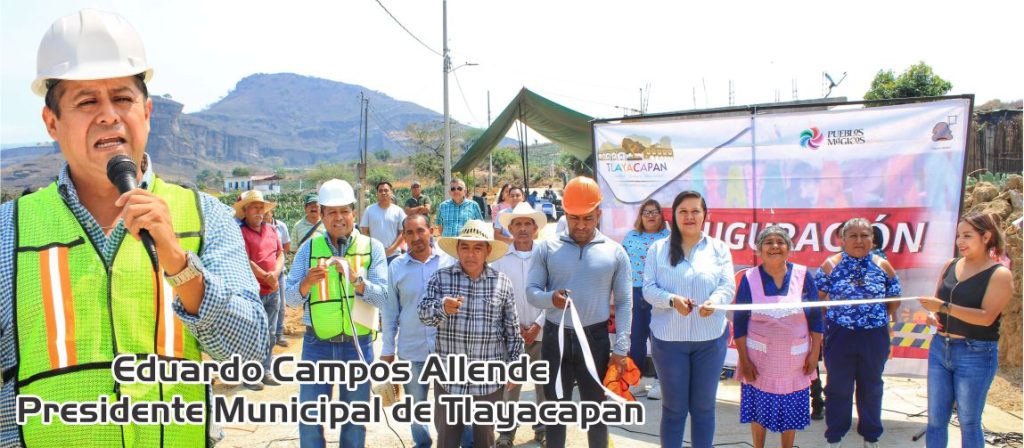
(74, 314)
(328, 312)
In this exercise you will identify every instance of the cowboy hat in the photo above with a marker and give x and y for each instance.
(522, 210)
(249, 197)
(474, 230)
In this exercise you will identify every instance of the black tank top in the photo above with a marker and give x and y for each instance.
(969, 294)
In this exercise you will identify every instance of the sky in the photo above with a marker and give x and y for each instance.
(592, 56)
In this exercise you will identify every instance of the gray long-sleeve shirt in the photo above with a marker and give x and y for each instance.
(593, 273)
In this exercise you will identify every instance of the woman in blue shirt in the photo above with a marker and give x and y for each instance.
(648, 228)
(857, 337)
(683, 276)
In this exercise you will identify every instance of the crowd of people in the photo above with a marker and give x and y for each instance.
(76, 266)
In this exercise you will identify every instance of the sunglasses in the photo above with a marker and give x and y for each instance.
(456, 189)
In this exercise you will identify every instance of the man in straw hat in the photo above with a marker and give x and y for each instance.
(330, 275)
(266, 259)
(100, 294)
(524, 224)
(473, 307)
(591, 269)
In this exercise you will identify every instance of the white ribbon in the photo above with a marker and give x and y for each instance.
(588, 357)
(794, 305)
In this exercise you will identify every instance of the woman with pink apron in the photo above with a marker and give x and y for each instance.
(778, 348)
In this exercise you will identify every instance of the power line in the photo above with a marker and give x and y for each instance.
(406, 29)
(464, 100)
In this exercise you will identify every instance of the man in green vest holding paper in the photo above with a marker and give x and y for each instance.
(341, 279)
(77, 284)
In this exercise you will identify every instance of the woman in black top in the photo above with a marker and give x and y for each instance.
(962, 360)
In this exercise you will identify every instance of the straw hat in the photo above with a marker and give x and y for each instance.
(474, 230)
(248, 198)
(522, 210)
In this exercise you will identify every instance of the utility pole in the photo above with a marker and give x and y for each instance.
(364, 118)
(446, 67)
(490, 154)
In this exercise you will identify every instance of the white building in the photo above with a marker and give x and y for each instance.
(267, 183)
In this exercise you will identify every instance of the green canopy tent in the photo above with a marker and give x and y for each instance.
(569, 129)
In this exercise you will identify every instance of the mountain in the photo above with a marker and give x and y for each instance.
(267, 120)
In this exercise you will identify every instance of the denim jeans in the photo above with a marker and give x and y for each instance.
(418, 392)
(689, 373)
(959, 370)
(272, 306)
(641, 329)
(278, 330)
(313, 349)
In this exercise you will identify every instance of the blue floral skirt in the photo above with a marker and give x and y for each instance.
(776, 412)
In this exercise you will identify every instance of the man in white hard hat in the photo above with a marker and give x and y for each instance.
(524, 224)
(77, 286)
(473, 308)
(330, 274)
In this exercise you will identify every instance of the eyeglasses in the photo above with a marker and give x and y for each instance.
(652, 213)
(456, 189)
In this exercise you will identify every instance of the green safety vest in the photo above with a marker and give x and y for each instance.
(74, 314)
(329, 312)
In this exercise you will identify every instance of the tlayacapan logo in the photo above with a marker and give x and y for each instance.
(813, 138)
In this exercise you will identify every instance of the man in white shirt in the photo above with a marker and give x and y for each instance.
(524, 224)
(382, 221)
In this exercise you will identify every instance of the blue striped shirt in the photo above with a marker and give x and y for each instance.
(231, 318)
(706, 275)
(376, 289)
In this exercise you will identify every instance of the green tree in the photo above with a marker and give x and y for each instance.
(428, 166)
(326, 171)
(503, 159)
(569, 166)
(378, 174)
(426, 139)
(383, 155)
(916, 81)
(240, 171)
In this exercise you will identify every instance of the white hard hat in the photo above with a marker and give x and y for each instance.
(336, 192)
(88, 45)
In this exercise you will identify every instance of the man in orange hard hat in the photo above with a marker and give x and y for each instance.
(583, 264)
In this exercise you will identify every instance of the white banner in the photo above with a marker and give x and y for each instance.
(900, 167)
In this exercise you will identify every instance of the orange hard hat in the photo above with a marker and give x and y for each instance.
(581, 196)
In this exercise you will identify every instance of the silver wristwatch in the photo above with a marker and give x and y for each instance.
(193, 269)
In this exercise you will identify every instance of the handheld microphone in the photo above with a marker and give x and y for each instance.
(121, 171)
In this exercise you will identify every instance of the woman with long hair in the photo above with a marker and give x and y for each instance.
(972, 292)
(684, 276)
(648, 228)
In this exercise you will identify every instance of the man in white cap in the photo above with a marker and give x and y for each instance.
(473, 307)
(334, 276)
(77, 285)
(524, 224)
(266, 259)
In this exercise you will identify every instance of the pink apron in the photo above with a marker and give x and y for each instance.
(778, 340)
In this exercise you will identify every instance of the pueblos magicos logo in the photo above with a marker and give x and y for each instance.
(811, 138)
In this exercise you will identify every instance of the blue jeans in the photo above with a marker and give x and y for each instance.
(854, 359)
(641, 329)
(418, 391)
(279, 329)
(272, 306)
(959, 370)
(689, 373)
(313, 349)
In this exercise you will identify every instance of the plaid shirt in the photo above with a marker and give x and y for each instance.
(453, 216)
(486, 326)
(231, 318)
